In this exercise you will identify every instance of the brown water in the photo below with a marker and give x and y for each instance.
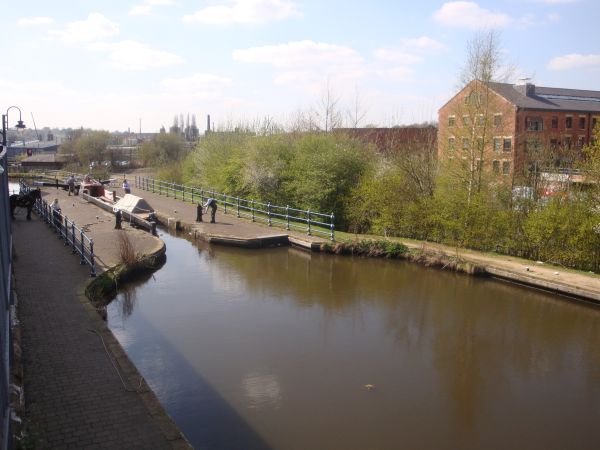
(273, 349)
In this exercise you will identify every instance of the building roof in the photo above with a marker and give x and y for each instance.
(530, 96)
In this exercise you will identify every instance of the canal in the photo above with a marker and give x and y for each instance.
(285, 350)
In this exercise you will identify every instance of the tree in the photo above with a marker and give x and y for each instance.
(91, 146)
(327, 109)
(164, 149)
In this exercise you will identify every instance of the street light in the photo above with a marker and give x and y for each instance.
(20, 125)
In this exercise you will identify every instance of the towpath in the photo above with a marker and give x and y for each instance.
(81, 390)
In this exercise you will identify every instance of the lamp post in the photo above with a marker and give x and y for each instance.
(20, 125)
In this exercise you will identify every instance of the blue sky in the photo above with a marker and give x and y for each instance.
(106, 64)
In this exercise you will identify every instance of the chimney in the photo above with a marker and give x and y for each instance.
(527, 89)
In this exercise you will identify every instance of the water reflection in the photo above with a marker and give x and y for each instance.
(288, 340)
(262, 390)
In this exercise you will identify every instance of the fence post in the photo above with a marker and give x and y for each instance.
(308, 211)
(153, 185)
(269, 213)
(92, 262)
(82, 261)
(287, 217)
(193, 189)
(252, 208)
(73, 237)
(225, 203)
(332, 226)
(66, 228)
(238, 206)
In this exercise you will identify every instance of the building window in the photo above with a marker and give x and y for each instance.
(569, 122)
(479, 163)
(480, 143)
(465, 120)
(505, 167)
(496, 166)
(532, 145)
(497, 120)
(554, 121)
(480, 120)
(567, 142)
(553, 144)
(580, 141)
(534, 124)
(451, 144)
(451, 121)
(497, 144)
(466, 144)
(582, 123)
(507, 144)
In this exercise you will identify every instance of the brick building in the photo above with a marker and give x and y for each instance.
(393, 141)
(513, 129)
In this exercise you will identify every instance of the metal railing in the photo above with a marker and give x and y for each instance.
(6, 302)
(311, 222)
(71, 235)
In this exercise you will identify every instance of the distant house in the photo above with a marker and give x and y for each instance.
(519, 128)
(45, 161)
(395, 140)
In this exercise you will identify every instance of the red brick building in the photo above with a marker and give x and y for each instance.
(516, 127)
(393, 141)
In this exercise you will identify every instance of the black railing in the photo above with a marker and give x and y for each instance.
(311, 222)
(72, 236)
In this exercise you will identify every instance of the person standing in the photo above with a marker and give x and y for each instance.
(126, 187)
(212, 204)
(71, 184)
(56, 213)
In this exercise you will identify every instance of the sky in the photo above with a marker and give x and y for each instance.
(120, 64)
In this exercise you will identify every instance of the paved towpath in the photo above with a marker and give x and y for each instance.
(81, 390)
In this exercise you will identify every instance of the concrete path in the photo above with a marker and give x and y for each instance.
(75, 397)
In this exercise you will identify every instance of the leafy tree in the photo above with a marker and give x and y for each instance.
(164, 149)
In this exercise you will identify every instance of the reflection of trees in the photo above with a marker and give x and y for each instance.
(128, 299)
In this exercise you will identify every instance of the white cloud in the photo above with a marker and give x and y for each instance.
(396, 56)
(95, 27)
(146, 8)
(422, 43)
(553, 17)
(199, 82)
(555, 2)
(34, 21)
(140, 10)
(132, 55)
(574, 61)
(469, 15)
(396, 73)
(245, 11)
(299, 54)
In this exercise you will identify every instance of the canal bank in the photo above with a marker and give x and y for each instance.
(231, 230)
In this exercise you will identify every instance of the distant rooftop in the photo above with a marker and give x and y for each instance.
(530, 96)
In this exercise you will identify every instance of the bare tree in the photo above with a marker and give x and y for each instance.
(327, 109)
(476, 117)
(356, 113)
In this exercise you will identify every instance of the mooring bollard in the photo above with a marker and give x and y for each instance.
(118, 219)
(199, 212)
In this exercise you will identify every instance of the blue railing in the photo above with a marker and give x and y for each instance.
(311, 222)
(72, 236)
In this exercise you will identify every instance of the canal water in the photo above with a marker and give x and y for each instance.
(285, 350)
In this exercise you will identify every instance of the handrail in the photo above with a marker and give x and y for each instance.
(290, 218)
(67, 231)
